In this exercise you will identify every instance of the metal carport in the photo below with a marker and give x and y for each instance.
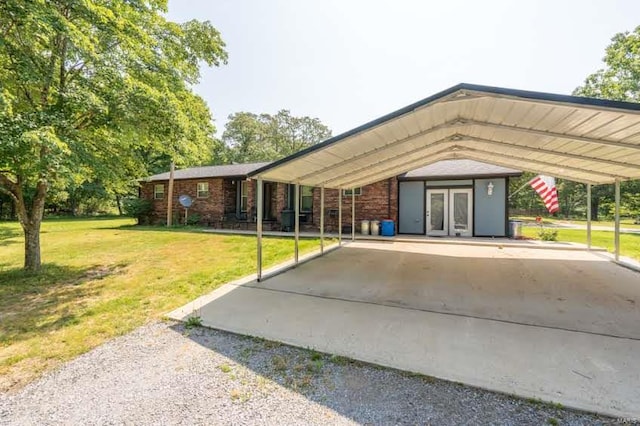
(586, 140)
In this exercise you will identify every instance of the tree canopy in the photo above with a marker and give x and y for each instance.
(619, 79)
(96, 91)
(251, 137)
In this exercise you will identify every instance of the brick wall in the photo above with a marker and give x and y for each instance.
(377, 201)
(374, 203)
(210, 208)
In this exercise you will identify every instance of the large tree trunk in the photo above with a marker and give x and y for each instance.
(119, 204)
(30, 218)
(32, 260)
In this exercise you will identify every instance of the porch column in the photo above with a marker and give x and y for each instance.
(339, 217)
(589, 216)
(321, 219)
(617, 221)
(296, 221)
(259, 228)
(353, 214)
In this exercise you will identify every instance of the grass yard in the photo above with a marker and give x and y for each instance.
(104, 277)
(624, 223)
(629, 243)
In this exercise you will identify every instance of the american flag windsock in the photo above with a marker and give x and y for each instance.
(545, 186)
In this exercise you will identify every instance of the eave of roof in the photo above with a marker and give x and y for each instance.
(239, 171)
(522, 145)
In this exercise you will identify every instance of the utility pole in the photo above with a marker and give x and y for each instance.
(170, 195)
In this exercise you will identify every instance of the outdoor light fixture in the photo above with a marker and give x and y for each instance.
(490, 188)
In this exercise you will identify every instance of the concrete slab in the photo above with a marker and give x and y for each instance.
(549, 324)
(572, 290)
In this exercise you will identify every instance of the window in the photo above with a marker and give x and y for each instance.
(158, 191)
(306, 198)
(203, 190)
(244, 195)
(347, 192)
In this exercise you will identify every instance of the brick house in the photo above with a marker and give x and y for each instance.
(422, 201)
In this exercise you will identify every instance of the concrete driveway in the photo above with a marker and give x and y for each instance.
(558, 325)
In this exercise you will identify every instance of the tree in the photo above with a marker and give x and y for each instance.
(618, 80)
(96, 89)
(250, 137)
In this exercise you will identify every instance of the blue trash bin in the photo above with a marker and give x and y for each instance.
(388, 228)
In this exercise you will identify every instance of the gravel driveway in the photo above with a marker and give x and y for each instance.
(163, 373)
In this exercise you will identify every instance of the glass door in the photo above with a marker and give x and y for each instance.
(460, 212)
(437, 212)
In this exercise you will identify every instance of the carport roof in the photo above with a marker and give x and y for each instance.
(582, 139)
(458, 169)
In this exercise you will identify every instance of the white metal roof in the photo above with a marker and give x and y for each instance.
(581, 139)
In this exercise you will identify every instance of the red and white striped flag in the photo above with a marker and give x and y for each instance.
(545, 186)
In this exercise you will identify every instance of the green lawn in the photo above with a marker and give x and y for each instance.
(103, 278)
(624, 223)
(629, 243)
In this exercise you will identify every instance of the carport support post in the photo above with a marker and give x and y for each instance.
(617, 221)
(353, 214)
(339, 217)
(296, 221)
(589, 216)
(321, 219)
(259, 228)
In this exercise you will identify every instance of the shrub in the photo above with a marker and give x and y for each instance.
(193, 219)
(138, 208)
(548, 234)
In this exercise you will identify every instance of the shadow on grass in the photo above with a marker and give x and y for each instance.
(7, 235)
(36, 303)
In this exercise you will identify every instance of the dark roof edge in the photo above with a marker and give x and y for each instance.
(527, 94)
(231, 177)
(460, 177)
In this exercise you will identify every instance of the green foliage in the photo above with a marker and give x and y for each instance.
(250, 137)
(193, 219)
(138, 208)
(620, 78)
(546, 234)
(95, 92)
(193, 321)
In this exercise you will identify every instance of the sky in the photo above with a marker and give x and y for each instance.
(347, 62)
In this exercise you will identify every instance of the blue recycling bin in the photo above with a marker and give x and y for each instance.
(388, 228)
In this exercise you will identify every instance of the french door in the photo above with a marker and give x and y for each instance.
(449, 212)
(437, 212)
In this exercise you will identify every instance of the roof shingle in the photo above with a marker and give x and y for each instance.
(457, 168)
(229, 170)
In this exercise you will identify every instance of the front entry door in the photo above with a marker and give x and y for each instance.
(437, 212)
(450, 212)
(460, 212)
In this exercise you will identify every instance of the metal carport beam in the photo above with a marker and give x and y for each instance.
(542, 163)
(367, 154)
(506, 144)
(357, 177)
(455, 155)
(393, 171)
(259, 229)
(400, 159)
(550, 134)
(616, 237)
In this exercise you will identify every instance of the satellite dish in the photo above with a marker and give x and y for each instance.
(185, 201)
